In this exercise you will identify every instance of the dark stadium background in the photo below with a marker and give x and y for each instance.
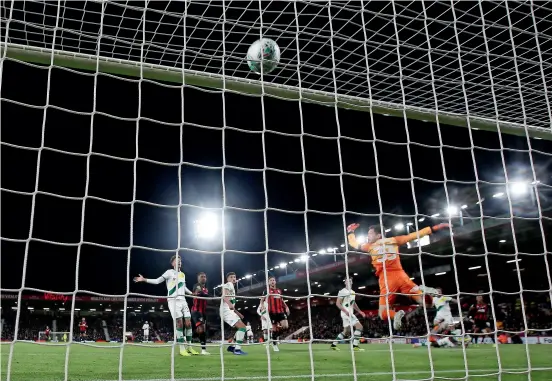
(226, 141)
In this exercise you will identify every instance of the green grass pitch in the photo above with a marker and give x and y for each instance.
(33, 362)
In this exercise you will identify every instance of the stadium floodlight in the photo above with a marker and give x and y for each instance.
(342, 245)
(361, 239)
(296, 290)
(355, 274)
(322, 251)
(452, 210)
(409, 224)
(206, 226)
(399, 226)
(435, 215)
(464, 206)
(421, 219)
(513, 260)
(412, 278)
(296, 260)
(283, 265)
(290, 262)
(285, 289)
(329, 249)
(255, 274)
(247, 276)
(519, 188)
(502, 241)
(498, 195)
(319, 285)
(362, 287)
(387, 230)
(326, 293)
(315, 282)
(315, 254)
(272, 268)
(474, 268)
(304, 258)
(441, 273)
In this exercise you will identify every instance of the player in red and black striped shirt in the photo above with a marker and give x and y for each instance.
(479, 314)
(277, 309)
(199, 309)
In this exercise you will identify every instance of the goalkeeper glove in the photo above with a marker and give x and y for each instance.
(351, 228)
(443, 225)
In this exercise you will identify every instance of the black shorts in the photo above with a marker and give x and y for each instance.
(482, 324)
(276, 318)
(198, 318)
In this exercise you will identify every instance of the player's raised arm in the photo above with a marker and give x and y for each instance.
(403, 239)
(351, 238)
(140, 278)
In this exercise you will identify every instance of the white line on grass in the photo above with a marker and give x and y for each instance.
(471, 372)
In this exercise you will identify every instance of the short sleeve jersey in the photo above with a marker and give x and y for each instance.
(441, 303)
(348, 299)
(176, 283)
(230, 292)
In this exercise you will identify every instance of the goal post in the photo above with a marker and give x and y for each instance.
(153, 72)
(55, 337)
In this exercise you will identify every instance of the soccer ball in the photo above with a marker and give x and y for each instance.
(263, 54)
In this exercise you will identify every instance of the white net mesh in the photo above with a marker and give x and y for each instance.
(136, 114)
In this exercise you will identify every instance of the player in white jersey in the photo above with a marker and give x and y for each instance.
(249, 333)
(229, 314)
(443, 319)
(455, 339)
(145, 328)
(266, 324)
(175, 281)
(346, 303)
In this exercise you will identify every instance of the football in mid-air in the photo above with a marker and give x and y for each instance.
(263, 54)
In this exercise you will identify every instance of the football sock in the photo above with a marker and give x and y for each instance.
(239, 338)
(202, 340)
(357, 336)
(384, 314)
(189, 335)
(339, 338)
(180, 338)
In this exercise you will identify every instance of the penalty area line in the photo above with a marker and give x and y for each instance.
(300, 376)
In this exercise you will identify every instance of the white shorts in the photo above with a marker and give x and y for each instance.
(146, 333)
(249, 333)
(348, 321)
(266, 324)
(443, 317)
(179, 308)
(230, 317)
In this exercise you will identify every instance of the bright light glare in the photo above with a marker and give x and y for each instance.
(464, 206)
(443, 273)
(206, 227)
(283, 264)
(248, 276)
(304, 258)
(362, 287)
(435, 215)
(297, 260)
(322, 251)
(474, 268)
(409, 224)
(342, 245)
(387, 230)
(498, 195)
(399, 226)
(452, 210)
(361, 239)
(518, 189)
(421, 219)
(329, 249)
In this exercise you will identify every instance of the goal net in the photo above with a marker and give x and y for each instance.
(55, 337)
(383, 197)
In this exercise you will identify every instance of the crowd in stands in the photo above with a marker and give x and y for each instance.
(325, 322)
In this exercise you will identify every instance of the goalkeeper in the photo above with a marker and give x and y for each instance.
(384, 253)
(176, 298)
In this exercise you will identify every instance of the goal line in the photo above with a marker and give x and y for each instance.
(88, 62)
